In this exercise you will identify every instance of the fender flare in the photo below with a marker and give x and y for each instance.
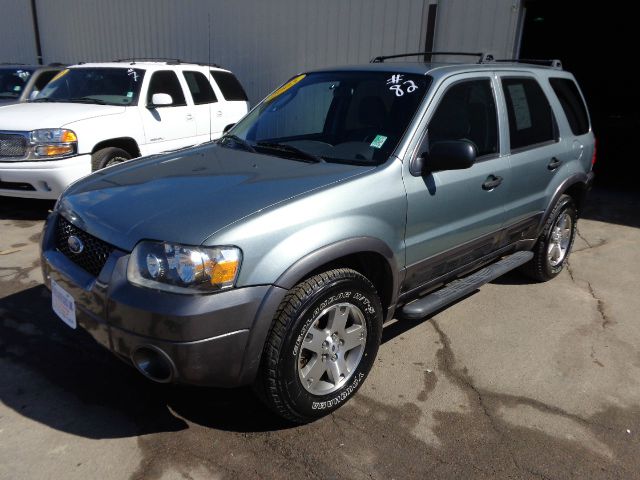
(296, 272)
(586, 179)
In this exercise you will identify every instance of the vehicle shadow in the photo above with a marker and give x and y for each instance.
(12, 208)
(62, 378)
(610, 204)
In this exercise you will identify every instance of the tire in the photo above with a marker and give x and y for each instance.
(107, 157)
(300, 346)
(552, 249)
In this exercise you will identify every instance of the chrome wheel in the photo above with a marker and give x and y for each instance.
(332, 348)
(560, 239)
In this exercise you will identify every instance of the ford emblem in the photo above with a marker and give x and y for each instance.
(75, 244)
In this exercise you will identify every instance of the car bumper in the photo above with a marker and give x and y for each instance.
(44, 179)
(212, 340)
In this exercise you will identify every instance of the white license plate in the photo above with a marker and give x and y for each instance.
(63, 304)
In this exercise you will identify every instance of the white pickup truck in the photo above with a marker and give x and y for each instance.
(94, 115)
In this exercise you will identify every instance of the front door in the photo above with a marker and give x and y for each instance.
(456, 216)
(170, 126)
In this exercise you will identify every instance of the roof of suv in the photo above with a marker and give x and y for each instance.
(147, 65)
(424, 68)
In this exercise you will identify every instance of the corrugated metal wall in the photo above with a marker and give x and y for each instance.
(478, 26)
(17, 41)
(263, 42)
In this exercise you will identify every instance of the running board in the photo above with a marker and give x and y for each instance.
(457, 289)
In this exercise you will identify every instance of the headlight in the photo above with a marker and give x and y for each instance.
(53, 142)
(183, 269)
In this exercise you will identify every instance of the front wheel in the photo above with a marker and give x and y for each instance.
(554, 245)
(108, 157)
(322, 345)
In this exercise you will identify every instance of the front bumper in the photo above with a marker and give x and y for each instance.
(208, 339)
(45, 179)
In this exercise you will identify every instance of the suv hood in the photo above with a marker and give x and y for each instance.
(187, 196)
(24, 117)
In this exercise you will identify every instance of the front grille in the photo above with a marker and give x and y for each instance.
(94, 254)
(12, 145)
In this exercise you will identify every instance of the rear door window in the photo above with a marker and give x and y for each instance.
(572, 104)
(229, 86)
(531, 120)
(200, 88)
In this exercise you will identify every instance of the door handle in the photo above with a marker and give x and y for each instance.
(554, 163)
(189, 116)
(491, 182)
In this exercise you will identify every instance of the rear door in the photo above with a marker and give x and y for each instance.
(171, 126)
(536, 153)
(207, 110)
(453, 216)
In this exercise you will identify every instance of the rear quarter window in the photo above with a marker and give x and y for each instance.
(229, 86)
(574, 108)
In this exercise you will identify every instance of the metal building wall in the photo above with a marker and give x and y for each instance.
(17, 41)
(263, 42)
(478, 26)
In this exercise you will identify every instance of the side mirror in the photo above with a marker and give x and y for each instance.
(160, 100)
(445, 155)
(228, 127)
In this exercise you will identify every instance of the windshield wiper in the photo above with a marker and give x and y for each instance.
(283, 147)
(44, 99)
(87, 100)
(240, 141)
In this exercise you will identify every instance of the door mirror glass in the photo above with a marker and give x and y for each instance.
(160, 100)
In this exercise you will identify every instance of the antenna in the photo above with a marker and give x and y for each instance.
(209, 68)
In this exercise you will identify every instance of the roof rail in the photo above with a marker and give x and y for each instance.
(150, 59)
(553, 62)
(484, 57)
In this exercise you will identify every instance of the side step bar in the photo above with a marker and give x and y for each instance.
(451, 292)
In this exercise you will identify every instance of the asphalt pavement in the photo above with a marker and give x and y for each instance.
(519, 380)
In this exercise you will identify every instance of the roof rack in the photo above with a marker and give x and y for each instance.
(553, 62)
(150, 59)
(484, 57)
(168, 61)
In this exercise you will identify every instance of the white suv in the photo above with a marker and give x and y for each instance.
(94, 115)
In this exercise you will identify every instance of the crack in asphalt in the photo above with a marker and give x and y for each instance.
(463, 380)
(600, 306)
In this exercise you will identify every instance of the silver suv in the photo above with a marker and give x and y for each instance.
(349, 196)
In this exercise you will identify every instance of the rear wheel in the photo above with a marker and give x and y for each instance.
(321, 346)
(106, 157)
(554, 245)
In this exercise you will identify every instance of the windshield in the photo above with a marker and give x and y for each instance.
(12, 81)
(106, 86)
(349, 117)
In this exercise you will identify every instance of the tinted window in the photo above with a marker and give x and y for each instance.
(572, 104)
(530, 116)
(44, 78)
(12, 82)
(229, 85)
(200, 88)
(166, 82)
(467, 111)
